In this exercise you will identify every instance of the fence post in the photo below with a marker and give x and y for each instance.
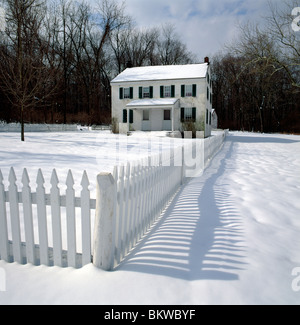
(104, 232)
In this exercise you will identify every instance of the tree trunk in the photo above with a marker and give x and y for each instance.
(22, 123)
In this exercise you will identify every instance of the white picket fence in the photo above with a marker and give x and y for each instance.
(143, 190)
(16, 127)
(127, 204)
(20, 205)
(133, 198)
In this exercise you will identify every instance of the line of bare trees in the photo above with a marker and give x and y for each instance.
(57, 58)
(257, 79)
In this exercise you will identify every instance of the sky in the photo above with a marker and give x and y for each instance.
(205, 26)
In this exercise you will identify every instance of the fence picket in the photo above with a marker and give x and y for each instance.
(125, 217)
(149, 210)
(15, 216)
(121, 213)
(138, 207)
(144, 197)
(71, 222)
(56, 222)
(135, 206)
(4, 248)
(28, 221)
(131, 205)
(116, 212)
(85, 220)
(42, 218)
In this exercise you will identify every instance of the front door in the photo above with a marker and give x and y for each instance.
(167, 124)
(146, 121)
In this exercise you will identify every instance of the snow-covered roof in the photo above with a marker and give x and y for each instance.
(165, 72)
(153, 102)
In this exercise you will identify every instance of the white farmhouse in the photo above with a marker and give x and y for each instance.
(163, 98)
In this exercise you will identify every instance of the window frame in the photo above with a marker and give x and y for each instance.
(167, 91)
(142, 92)
(188, 114)
(126, 93)
(189, 90)
(169, 117)
(145, 92)
(129, 93)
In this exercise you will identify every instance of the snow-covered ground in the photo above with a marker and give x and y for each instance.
(93, 151)
(230, 236)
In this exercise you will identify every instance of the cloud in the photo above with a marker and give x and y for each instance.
(204, 25)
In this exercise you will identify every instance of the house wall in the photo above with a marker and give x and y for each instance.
(201, 102)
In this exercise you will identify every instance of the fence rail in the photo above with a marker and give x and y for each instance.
(37, 250)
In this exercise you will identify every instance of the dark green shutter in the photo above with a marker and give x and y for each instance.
(151, 92)
(162, 91)
(183, 91)
(140, 92)
(124, 115)
(182, 114)
(131, 92)
(194, 114)
(131, 116)
(194, 90)
(172, 91)
(121, 93)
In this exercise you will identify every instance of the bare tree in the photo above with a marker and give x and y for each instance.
(170, 49)
(26, 75)
(89, 38)
(275, 47)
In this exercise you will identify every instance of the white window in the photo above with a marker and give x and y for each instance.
(126, 93)
(188, 114)
(146, 92)
(188, 90)
(168, 92)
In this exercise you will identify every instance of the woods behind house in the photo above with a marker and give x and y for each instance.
(57, 59)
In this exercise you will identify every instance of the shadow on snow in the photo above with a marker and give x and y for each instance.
(200, 235)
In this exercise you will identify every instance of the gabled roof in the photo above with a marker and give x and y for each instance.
(164, 72)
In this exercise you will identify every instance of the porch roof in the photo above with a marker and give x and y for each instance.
(143, 103)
